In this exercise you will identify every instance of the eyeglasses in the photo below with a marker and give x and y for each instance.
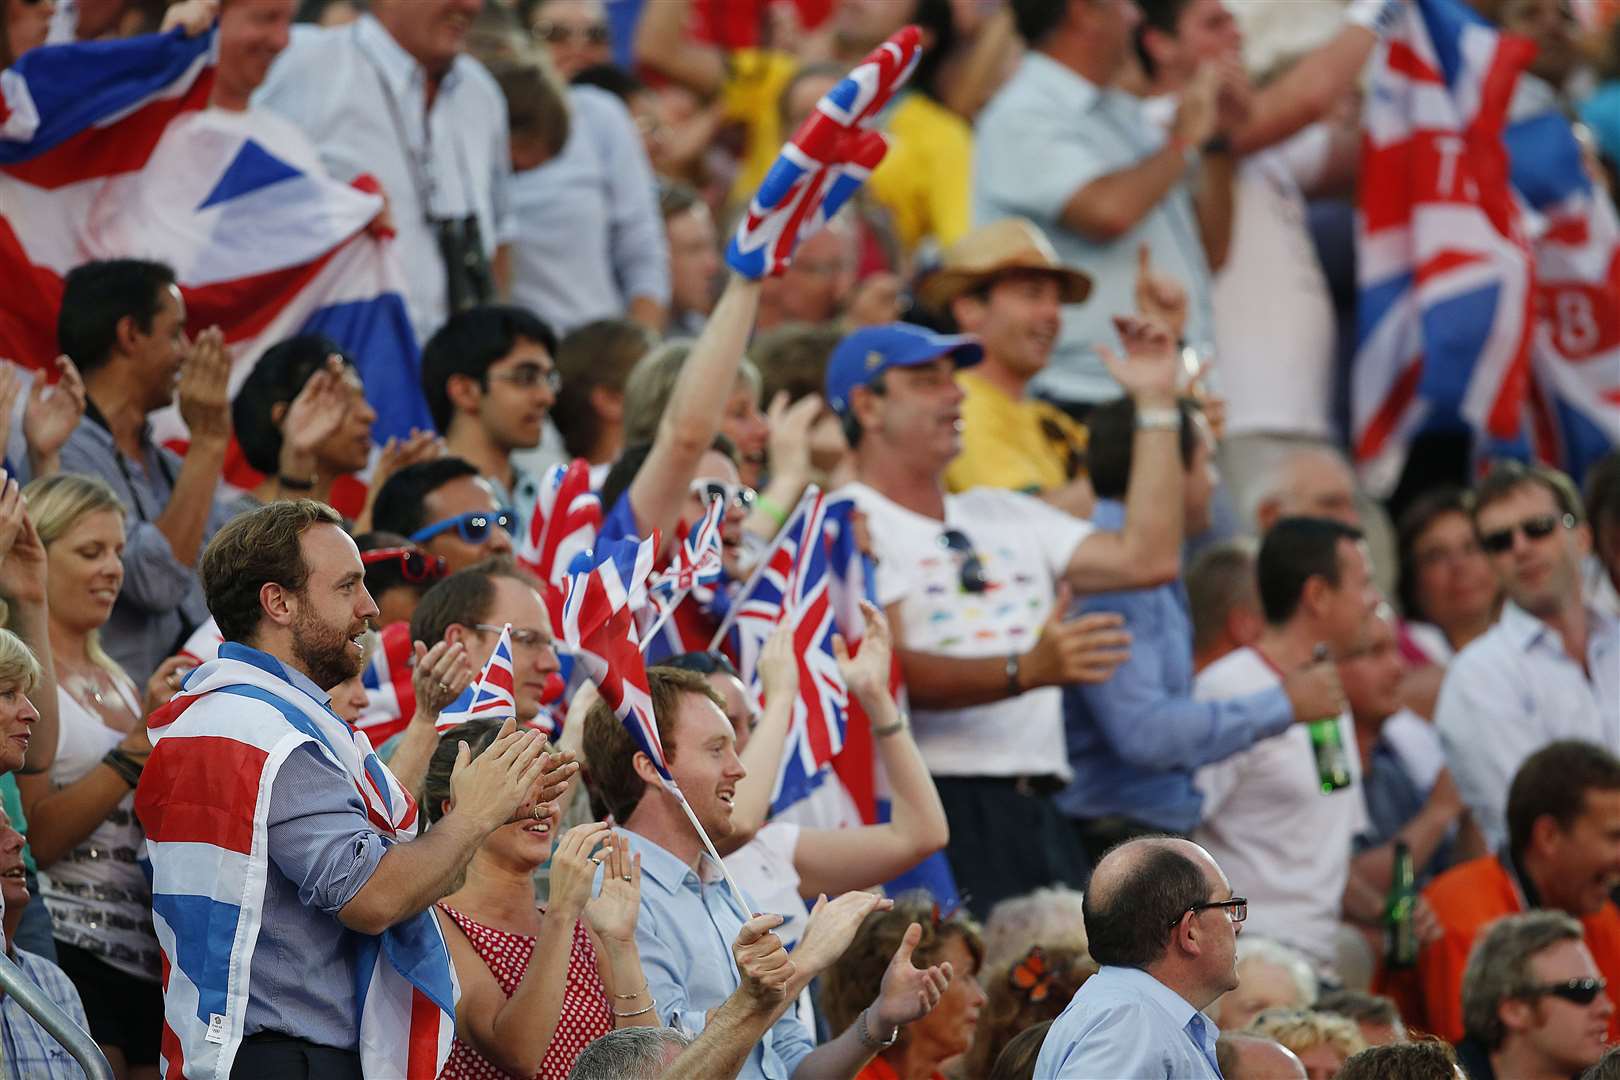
(559, 34)
(529, 376)
(472, 526)
(416, 567)
(1237, 909)
(1575, 991)
(521, 635)
(739, 495)
(973, 579)
(1537, 528)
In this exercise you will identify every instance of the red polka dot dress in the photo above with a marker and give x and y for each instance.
(586, 1014)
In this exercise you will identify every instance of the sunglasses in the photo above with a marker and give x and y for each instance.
(973, 579)
(416, 567)
(739, 495)
(1237, 909)
(1575, 991)
(558, 34)
(472, 526)
(1539, 527)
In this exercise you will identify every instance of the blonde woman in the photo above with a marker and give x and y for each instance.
(82, 829)
(1323, 1042)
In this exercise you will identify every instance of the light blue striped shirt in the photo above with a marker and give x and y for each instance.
(1126, 1025)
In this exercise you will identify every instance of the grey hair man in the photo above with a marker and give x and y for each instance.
(637, 1053)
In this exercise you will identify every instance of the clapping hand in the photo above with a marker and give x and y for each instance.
(1152, 361)
(313, 417)
(52, 413)
(491, 788)
(612, 914)
(766, 968)
(22, 556)
(574, 863)
(778, 667)
(1159, 296)
(440, 675)
(205, 375)
(831, 928)
(866, 674)
(909, 992)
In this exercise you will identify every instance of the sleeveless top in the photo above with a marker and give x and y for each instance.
(586, 1014)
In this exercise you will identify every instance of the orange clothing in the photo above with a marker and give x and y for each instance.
(878, 1069)
(1467, 899)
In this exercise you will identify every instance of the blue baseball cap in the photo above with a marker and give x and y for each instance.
(869, 352)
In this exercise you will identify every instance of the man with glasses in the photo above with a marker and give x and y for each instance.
(490, 381)
(446, 508)
(1550, 667)
(1533, 1003)
(1562, 855)
(1162, 922)
(976, 587)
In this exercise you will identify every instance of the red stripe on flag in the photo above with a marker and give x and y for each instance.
(120, 147)
(1445, 262)
(33, 296)
(201, 789)
(423, 1060)
(1405, 61)
(247, 305)
(1389, 413)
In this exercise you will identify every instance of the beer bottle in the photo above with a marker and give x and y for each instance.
(1402, 943)
(1327, 744)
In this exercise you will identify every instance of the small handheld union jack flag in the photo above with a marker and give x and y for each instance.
(827, 160)
(563, 522)
(492, 697)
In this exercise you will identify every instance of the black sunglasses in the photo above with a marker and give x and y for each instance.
(1536, 528)
(556, 33)
(1576, 991)
(414, 566)
(973, 578)
(1237, 908)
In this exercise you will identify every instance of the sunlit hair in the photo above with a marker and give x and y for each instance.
(57, 503)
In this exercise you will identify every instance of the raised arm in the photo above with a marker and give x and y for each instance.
(1309, 89)
(762, 757)
(662, 42)
(22, 580)
(205, 406)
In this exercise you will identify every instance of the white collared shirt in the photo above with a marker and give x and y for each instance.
(1512, 691)
(361, 99)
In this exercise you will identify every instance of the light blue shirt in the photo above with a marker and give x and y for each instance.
(684, 933)
(1135, 739)
(31, 1052)
(1126, 1025)
(1045, 135)
(362, 100)
(586, 233)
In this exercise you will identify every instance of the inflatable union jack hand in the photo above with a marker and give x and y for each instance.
(825, 162)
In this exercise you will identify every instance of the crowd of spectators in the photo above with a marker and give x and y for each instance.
(1214, 764)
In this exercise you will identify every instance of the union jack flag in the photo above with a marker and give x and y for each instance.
(599, 625)
(1446, 313)
(697, 564)
(562, 523)
(492, 697)
(390, 695)
(825, 162)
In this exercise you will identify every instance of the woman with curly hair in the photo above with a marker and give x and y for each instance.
(922, 1047)
(1322, 1041)
(1034, 988)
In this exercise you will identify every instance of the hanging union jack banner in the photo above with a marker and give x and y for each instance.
(1445, 314)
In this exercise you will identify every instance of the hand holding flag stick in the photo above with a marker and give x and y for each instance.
(698, 564)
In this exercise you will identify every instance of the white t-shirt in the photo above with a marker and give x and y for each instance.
(1282, 842)
(1024, 547)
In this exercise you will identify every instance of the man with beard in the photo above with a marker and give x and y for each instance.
(1550, 667)
(259, 798)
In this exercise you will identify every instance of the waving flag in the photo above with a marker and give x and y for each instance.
(203, 803)
(562, 523)
(698, 561)
(1445, 315)
(492, 696)
(107, 151)
(825, 162)
(599, 625)
(1574, 407)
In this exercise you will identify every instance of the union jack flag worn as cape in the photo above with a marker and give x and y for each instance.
(204, 802)
(825, 162)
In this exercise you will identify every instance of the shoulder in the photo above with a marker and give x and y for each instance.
(1472, 894)
(1234, 674)
(313, 46)
(479, 78)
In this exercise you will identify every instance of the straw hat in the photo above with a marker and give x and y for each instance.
(1008, 244)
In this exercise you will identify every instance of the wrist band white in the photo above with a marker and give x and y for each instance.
(1158, 419)
(1375, 15)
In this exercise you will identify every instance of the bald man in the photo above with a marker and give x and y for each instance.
(1254, 1057)
(1163, 923)
(1316, 481)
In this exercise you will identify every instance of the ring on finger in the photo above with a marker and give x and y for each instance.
(537, 811)
(596, 860)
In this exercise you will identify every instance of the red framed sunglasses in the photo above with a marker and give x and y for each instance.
(414, 566)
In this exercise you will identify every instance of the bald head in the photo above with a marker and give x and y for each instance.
(1252, 1057)
(1137, 893)
(1312, 482)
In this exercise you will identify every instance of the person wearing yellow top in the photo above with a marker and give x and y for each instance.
(924, 180)
(1025, 444)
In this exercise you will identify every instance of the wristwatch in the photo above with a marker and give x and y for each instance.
(1014, 688)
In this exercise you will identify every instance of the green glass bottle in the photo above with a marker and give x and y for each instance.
(1327, 743)
(1401, 936)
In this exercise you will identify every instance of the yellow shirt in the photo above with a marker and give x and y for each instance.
(925, 178)
(1026, 445)
(750, 97)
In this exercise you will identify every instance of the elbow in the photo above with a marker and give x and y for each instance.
(1107, 226)
(934, 836)
(361, 917)
(1150, 569)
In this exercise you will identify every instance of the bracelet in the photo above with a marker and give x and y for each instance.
(631, 997)
(1158, 419)
(1014, 683)
(294, 484)
(769, 507)
(895, 728)
(863, 1029)
(638, 1012)
(127, 768)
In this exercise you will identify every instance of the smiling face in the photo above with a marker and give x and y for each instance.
(17, 717)
(1455, 583)
(85, 570)
(1541, 575)
(716, 466)
(1582, 862)
(575, 33)
(1343, 610)
(704, 762)
(252, 34)
(159, 352)
(1018, 320)
(464, 494)
(333, 611)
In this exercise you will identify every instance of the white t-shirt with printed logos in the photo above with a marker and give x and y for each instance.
(1024, 547)
(1282, 842)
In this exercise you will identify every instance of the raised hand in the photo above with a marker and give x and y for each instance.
(908, 992)
(1197, 114)
(205, 375)
(490, 788)
(557, 768)
(314, 416)
(866, 675)
(440, 675)
(395, 455)
(10, 387)
(831, 928)
(53, 412)
(573, 867)
(22, 559)
(765, 966)
(778, 667)
(1160, 297)
(612, 914)
(165, 682)
(790, 433)
(1151, 365)
(1084, 649)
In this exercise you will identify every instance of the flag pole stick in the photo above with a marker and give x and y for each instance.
(708, 845)
(810, 491)
(663, 617)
